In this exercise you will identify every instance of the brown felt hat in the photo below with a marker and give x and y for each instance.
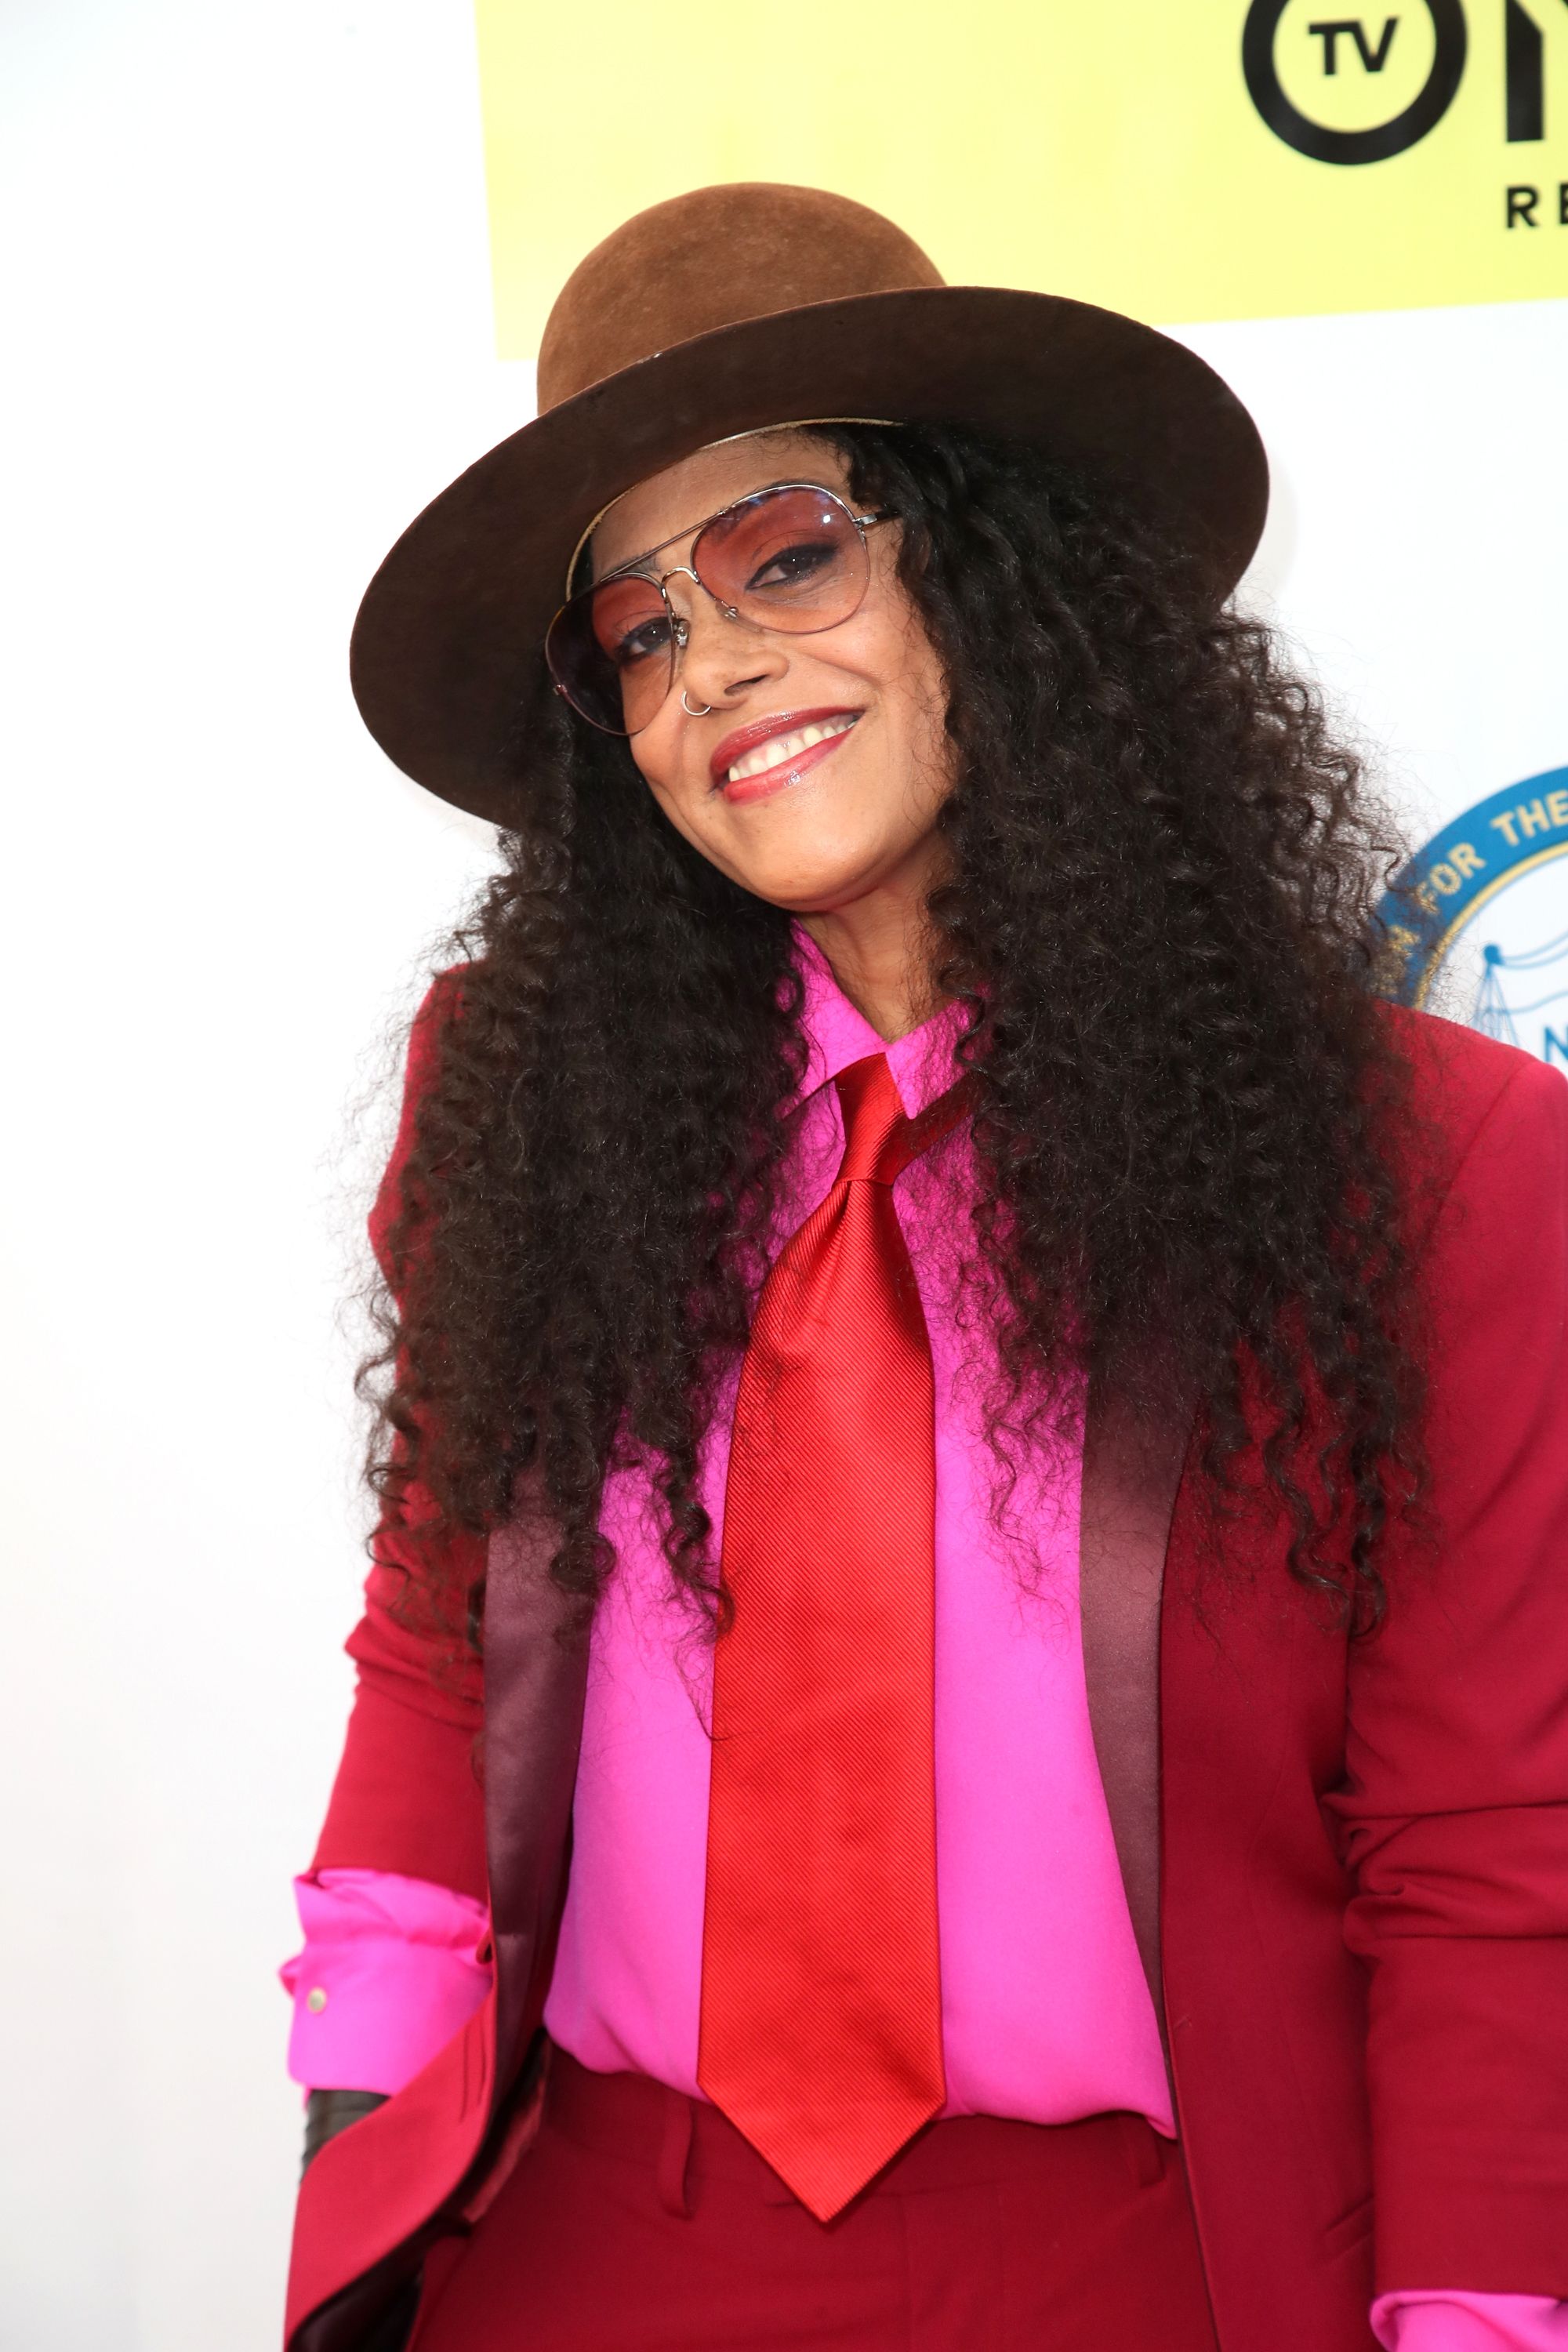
(718, 313)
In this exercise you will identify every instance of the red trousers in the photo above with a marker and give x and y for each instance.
(642, 2221)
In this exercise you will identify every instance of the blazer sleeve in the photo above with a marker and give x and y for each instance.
(407, 1797)
(1455, 1809)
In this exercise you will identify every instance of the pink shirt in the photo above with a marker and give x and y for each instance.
(1029, 1891)
(1028, 1888)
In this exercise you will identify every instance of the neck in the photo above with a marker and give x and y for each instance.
(878, 949)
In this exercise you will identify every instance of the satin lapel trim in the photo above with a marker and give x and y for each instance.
(536, 1665)
(1131, 1472)
(536, 1673)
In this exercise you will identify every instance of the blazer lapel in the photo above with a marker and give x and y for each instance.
(536, 1673)
(1132, 1471)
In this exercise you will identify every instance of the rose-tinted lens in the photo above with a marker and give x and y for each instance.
(787, 558)
(612, 652)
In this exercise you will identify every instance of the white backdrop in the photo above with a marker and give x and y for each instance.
(246, 298)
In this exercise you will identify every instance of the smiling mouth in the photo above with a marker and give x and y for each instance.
(779, 750)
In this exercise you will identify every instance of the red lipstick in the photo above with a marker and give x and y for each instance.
(735, 746)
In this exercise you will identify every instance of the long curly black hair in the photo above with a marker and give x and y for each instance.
(1161, 872)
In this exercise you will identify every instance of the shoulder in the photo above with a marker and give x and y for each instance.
(1458, 1077)
(1482, 1156)
(443, 1005)
(441, 1008)
(1473, 1104)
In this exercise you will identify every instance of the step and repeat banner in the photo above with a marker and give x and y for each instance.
(1213, 163)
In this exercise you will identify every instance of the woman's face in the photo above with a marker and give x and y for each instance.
(852, 817)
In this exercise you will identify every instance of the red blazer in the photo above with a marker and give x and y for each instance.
(1347, 1861)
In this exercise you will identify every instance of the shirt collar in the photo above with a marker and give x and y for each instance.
(922, 1064)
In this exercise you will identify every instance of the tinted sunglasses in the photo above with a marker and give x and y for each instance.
(792, 557)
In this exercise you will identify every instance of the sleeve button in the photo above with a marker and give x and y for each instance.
(316, 2000)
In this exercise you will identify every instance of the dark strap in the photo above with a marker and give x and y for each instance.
(327, 2113)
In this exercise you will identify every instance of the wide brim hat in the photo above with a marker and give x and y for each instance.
(722, 313)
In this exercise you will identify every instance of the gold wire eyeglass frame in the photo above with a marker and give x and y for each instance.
(636, 566)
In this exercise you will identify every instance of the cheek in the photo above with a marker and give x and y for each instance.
(918, 703)
(898, 658)
(655, 754)
(685, 802)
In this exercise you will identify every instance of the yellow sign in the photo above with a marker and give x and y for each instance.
(1200, 160)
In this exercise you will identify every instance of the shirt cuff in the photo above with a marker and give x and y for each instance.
(391, 1969)
(1415, 2320)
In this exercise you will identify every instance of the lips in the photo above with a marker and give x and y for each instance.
(749, 752)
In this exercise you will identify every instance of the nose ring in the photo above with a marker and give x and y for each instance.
(690, 713)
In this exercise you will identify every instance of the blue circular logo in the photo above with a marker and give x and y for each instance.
(1507, 974)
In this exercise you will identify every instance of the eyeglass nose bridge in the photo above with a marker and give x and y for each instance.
(682, 626)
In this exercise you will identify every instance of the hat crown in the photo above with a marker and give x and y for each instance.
(712, 259)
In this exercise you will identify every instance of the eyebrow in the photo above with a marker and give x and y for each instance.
(632, 563)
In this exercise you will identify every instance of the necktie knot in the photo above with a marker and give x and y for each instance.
(880, 1141)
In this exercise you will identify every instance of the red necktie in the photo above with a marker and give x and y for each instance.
(821, 2029)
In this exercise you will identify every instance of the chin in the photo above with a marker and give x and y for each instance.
(811, 875)
(809, 889)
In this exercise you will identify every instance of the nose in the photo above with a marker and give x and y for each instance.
(721, 656)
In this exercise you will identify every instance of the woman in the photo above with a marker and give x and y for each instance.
(995, 1419)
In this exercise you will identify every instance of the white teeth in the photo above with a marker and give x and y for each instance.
(779, 748)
